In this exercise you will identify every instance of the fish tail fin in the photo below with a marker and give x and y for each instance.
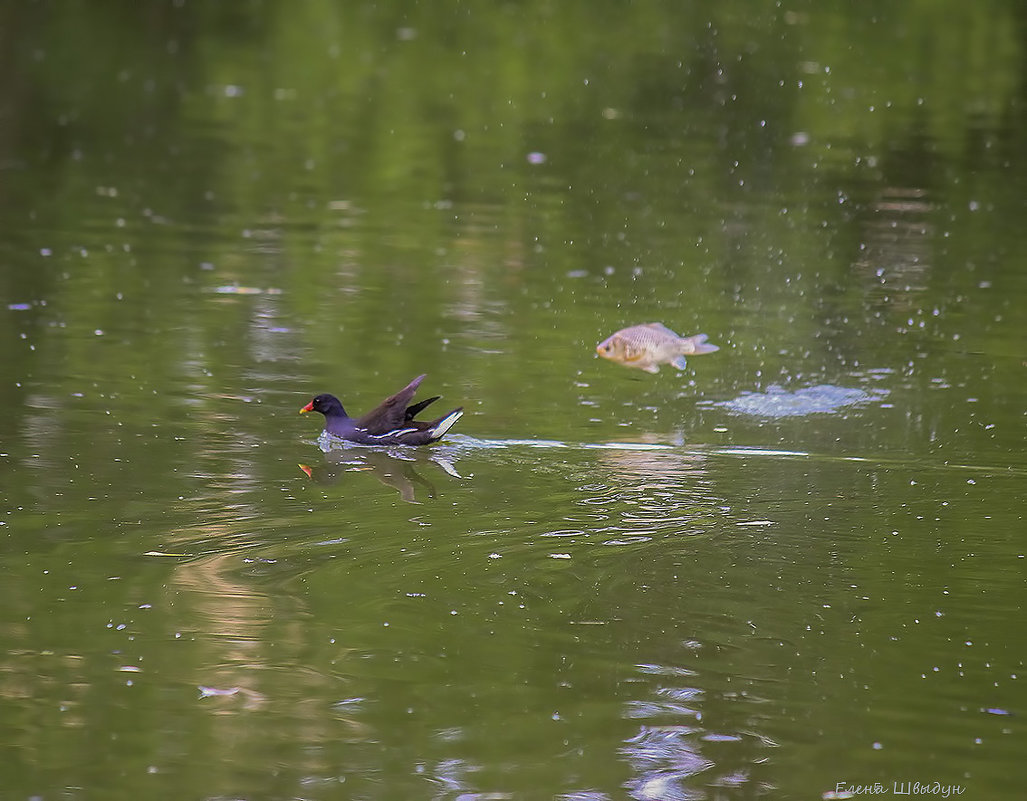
(697, 345)
(443, 424)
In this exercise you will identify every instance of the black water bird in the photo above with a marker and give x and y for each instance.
(391, 422)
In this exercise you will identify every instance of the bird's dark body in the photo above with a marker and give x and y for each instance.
(390, 423)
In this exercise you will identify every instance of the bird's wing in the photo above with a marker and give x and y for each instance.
(391, 413)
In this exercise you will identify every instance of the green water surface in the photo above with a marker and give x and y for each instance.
(604, 584)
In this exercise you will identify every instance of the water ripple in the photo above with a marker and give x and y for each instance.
(673, 745)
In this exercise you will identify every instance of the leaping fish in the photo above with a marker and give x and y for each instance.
(647, 346)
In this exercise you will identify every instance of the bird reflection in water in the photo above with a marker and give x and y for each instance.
(400, 471)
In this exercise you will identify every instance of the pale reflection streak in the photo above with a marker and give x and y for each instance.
(241, 637)
(675, 745)
(674, 755)
(666, 751)
(232, 619)
(650, 493)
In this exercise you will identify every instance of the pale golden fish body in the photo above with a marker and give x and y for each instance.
(646, 347)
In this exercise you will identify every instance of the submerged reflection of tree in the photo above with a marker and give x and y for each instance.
(895, 254)
(395, 470)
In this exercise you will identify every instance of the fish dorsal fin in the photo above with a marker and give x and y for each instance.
(663, 329)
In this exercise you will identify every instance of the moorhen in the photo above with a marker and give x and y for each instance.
(391, 422)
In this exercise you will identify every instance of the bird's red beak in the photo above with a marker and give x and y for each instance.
(308, 408)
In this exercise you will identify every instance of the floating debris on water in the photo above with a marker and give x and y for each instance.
(209, 692)
(821, 399)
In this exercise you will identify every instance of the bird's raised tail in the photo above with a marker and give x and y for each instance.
(443, 424)
(413, 411)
